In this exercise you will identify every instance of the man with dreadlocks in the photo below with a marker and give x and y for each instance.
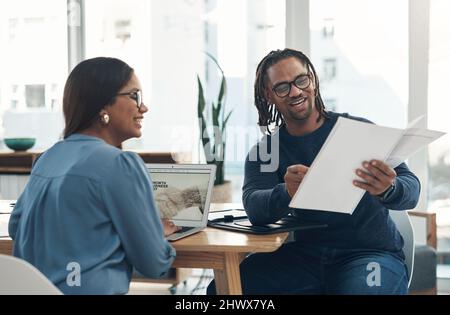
(355, 254)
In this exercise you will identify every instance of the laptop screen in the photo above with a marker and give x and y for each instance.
(181, 193)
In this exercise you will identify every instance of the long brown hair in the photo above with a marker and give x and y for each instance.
(268, 114)
(92, 85)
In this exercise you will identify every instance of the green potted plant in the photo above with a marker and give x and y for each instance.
(214, 144)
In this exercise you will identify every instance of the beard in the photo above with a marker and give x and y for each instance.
(303, 115)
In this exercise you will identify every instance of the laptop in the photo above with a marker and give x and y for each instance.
(182, 193)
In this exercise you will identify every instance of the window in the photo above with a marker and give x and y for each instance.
(328, 28)
(240, 34)
(163, 41)
(372, 78)
(33, 37)
(13, 28)
(35, 95)
(438, 113)
(329, 69)
(122, 28)
(14, 99)
(14, 104)
(330, 104)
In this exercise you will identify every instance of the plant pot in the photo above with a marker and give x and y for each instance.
(222, 193)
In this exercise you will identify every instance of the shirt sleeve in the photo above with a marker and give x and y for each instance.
(406, 192)
(265, 198)
(17, 211)
(128, 196)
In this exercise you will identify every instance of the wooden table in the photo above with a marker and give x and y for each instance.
(212, 248)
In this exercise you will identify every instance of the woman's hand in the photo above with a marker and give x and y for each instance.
(169, 227)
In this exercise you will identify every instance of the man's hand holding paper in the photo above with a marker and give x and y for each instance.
(377, 177)
(293, 177)
(329, 184)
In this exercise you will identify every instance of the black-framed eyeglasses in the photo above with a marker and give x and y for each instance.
(135, 95)
(283, 89)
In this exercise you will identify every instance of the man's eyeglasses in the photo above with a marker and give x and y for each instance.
(283, 89)
(135, 95)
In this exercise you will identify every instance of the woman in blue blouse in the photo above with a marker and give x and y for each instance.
(87, 214)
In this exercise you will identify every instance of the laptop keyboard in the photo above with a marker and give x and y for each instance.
(185, 228)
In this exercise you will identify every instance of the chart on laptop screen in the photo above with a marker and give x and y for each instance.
(180, 194)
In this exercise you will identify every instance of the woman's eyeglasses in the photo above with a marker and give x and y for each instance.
(283, 89)
(135, 95)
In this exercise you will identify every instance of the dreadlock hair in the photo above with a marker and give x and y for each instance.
(268, 114)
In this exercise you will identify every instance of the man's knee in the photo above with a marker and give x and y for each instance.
(385, 276)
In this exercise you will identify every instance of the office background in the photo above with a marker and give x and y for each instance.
(388, 61)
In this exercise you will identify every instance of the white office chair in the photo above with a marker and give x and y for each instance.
(404, 226)
(20, 277)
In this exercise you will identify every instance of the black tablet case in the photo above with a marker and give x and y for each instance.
(242, 224)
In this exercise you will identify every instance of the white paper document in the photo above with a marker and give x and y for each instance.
(328, 184)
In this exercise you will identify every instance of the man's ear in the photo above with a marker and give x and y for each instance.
(313, 80)
(268, 95)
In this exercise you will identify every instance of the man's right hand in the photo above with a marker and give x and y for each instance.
(293, 177)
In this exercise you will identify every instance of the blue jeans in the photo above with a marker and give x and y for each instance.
(297, 269)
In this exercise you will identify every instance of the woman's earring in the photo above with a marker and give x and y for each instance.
(105, 119)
